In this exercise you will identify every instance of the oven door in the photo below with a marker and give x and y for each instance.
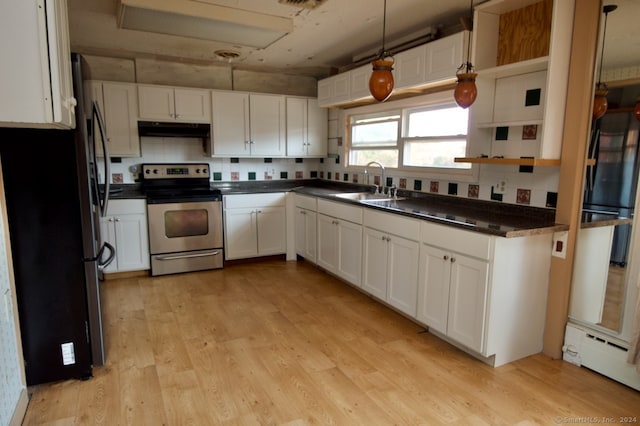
(185, 226)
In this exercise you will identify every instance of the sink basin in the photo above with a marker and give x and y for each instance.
(366, 196)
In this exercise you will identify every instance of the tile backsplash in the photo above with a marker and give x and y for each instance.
(536, 188)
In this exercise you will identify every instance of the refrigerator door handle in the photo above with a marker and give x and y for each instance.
(97, 119)
(112, 254)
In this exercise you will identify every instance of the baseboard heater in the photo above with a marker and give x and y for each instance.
(600, 353)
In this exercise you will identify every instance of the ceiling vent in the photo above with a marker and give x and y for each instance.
(203, 21)
(307, 4)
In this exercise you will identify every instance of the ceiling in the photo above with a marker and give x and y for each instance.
(335, 34)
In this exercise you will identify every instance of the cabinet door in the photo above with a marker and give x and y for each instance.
(241, 234)
(230, 115)
(444, 56)
(317, 129)
(327, 242)
(272, 234)
(193, 105)
(359, 84)
(297, 127)
(433, 287)
(402, 286)
(156, 103)
(375, 255)
(467, 301)
(350, 252)
(132, 247)
(108, 235)
(267, 123)
(305, 228)
(120, 116)
(410, 67)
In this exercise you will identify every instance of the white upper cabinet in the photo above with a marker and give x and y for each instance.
(36, 82)
(246, 125)
(174, 104)
(306, 128)
(428, 65)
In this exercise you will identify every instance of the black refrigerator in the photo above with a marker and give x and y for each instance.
(53, 203)
(611, 183)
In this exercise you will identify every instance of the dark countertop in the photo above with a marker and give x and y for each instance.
(488, 217)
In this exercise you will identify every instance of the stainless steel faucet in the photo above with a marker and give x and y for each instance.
(383, 183)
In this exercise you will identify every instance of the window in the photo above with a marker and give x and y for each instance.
(435, 135)
(425, 137)
(374, 137)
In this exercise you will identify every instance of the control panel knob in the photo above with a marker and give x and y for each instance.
(204, 170)
(197, 171)
(148, 171)
(155, 171)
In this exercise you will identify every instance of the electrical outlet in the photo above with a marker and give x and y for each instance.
(500, 186)
(560, 244)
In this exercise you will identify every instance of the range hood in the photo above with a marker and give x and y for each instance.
(173, 129)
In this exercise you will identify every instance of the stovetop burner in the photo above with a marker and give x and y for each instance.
(177, 183)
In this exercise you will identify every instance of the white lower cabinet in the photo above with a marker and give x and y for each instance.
(305, 227)
(125, 228)
(390, 259)
(484, 293)
(254, 225)
(452, 297)
(340, 240)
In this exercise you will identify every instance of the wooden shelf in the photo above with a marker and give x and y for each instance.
(514, 161)
(517, 68)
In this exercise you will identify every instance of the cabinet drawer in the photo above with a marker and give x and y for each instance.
(392, 224)
(306, 202)
(254, 200)
(457, 240)
(341, 211)
(116, 207)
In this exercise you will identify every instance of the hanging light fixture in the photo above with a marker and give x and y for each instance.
(600, 97)
(636, 109)
(466, 91)
(381, 80)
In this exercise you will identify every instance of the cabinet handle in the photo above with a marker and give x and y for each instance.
(453, 260)
(258, 211)
(335, 222)
(445, 257)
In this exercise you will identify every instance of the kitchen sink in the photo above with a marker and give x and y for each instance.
(366, 196)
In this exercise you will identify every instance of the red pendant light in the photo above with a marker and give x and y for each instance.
(381, 80)
(466, 91)
(600, 103)
(636, 109)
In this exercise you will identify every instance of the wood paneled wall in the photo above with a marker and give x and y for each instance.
(525, 33)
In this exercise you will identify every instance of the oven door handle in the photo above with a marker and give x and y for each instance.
(188, 256)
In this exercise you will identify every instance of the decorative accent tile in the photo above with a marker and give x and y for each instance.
(337, 175)
(267, 176)
(376, 180)
(434, 186)
(354, 178)
(268, 160)
(552, 199)
(345, 177)
(523, 196)
(284, 175)
(529, 131)
(403, 183)
(494, 196)
(417, 185)
(298, 160)
(299, 174)
(452, 189)
(217, 176)
(235, 175)
(321, 174)
(532, 97)
(313, 174)
(117, 178)
(252, 175)
(234, 160)
(389, 181)
(502, 133)
(473, 191)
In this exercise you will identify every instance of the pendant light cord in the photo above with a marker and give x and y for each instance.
(469, 66)
(608, 8)
(384, 28)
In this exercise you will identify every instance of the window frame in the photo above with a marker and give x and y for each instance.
(419, 102)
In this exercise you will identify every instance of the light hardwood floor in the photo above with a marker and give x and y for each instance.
(283, 343)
